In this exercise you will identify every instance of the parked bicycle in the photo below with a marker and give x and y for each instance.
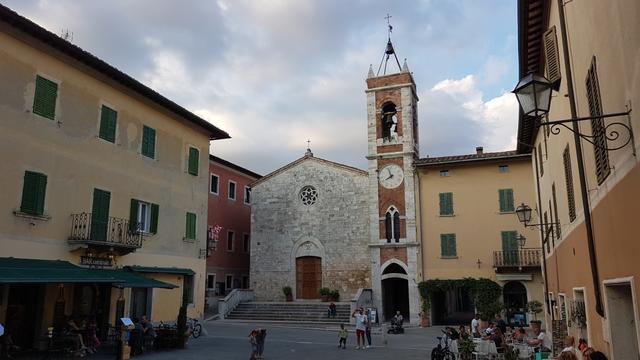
(195, 329)
(442, 352)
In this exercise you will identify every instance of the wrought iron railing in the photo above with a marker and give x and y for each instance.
(112, 231)
(517, 258)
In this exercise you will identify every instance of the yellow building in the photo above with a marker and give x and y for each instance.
(469, 229)
(589, 186)
(99, 173)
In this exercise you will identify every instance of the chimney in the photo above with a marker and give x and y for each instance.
(479, 150)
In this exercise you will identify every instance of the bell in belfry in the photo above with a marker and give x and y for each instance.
(389, 49)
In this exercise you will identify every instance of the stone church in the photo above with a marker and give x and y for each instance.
(316, 223)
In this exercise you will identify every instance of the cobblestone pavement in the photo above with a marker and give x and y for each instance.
(229, 340)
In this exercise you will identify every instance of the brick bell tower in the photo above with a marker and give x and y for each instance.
(392, 148)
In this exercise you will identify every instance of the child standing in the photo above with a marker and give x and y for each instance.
(254, 344)
(343, 337)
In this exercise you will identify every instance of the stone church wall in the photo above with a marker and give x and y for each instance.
(335, 228)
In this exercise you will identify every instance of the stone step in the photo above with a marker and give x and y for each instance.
(292, 318)
(311, 312)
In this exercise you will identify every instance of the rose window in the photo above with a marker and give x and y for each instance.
(308, 195)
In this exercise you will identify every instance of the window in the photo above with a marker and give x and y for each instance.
(232, 190)
(190, 232)
(555, 210)
(552, 60)
(392, 225)
(143, 216)
(188, 288)
(148, 142)
(568, 177)
(245, 243)
(506, 200)
(540, 160)
(448, 245)
(33, 193)
(503, 169)
(108, 119)
(245, 282)
(211, 281)
(446, 204)
(194, 155)
(597, 125)
(214, 184)
(308, 195)
(444, 173)
(44, 99)
(553, 228)
(247, 195)
(230, 238)
(228, 283)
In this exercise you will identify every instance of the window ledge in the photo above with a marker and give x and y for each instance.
(448, 257)
(186, 239)
(451, 215)
(21, 214)
(506, 212)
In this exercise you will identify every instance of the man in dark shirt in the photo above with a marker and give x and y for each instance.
(501, 324)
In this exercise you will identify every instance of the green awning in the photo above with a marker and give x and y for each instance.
(132, 280)
(33, 271)
(161, 270)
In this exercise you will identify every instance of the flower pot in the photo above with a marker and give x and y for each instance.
(324, 298)
(289, 297)
(424, 322)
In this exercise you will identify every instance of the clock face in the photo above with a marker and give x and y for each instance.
(391, 176)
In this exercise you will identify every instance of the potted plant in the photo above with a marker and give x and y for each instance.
(534, 307)
(324, 294)
(182, 332)
(335, 295)
(288, 293)
(424, 313)
(466, 347)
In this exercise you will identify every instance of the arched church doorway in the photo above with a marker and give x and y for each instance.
(308, 277)
(395, 292)
(515, 301)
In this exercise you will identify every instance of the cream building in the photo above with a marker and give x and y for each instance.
(590, 51)
(99, 173)
(469, 229)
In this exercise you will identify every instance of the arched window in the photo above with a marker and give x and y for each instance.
(392, 225)
(389, 121)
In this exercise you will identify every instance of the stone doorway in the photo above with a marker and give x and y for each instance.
(395, 292)
(515, 302)
(308, 277)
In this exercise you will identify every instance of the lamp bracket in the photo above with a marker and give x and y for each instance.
(542, 224)
(612, 131)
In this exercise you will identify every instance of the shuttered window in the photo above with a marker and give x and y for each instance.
(506, 200)
(446, 203)
(148, 142)
(108, 119)
(552, 58)
(193, 161)
(540, 159)
(143, 216)
(190, 232)
(33, 193)
(597, 125)
(448, 245)
(44, 99)
(568, 176)
(555, 210)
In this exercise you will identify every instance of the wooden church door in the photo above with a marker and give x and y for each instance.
(308, 277)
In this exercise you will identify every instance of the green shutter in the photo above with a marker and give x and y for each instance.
(148, 142)
(506, 200)
(448, 245)
(100, 214)
(44, 99)
(33, 193)
(155, 209)
(510, 247)
(191, 226)
(193, 161)
(133, 215)
(108, 119)
(446, 203)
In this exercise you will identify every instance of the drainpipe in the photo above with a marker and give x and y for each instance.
(583, 182)
(542, 239)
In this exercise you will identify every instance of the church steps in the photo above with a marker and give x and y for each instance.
(312, 312)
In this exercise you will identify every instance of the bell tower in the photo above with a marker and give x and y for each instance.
(392, 149)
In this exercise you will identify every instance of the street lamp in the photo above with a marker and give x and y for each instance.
(521, 240)
(534, 95)
(524, 213)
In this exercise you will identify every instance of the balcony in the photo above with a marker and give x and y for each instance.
(520, 259)
(113, 235)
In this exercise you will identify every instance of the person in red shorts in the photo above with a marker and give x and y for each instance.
(361, 326)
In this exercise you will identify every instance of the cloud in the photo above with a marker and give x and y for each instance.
(457, 118)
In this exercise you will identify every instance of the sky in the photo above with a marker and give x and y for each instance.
(276, 73)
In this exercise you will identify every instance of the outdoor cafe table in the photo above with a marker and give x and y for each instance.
(524, 350)
(485, 346)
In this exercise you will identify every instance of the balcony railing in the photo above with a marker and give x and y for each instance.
(113, 232)
(517, 258)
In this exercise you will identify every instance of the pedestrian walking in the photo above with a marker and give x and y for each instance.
(254, 344)
(367, 330)
(361, 326)
(342, 335)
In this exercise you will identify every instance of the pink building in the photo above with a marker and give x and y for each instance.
(230, 215)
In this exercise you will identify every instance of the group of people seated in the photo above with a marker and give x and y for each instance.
(142, 336)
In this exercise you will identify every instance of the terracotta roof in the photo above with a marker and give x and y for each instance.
(455, 159)
(304, 158)
(24, 25)
(233, 166)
